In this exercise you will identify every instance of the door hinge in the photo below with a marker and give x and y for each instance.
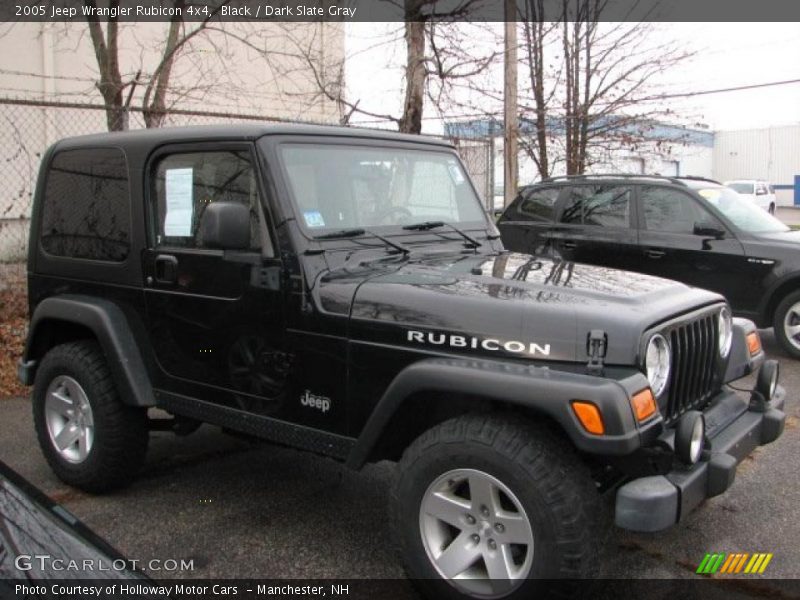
(596, 347)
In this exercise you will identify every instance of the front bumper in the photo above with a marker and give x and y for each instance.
(734, 428)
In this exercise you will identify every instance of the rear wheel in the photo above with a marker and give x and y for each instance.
(786, 323)
(488, 507)
(90, 439)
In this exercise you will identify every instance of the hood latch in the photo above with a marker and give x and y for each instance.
(596, 347)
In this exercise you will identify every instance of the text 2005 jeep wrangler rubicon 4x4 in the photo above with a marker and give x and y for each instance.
(343, 292)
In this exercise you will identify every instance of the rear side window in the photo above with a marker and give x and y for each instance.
(86, 210)
(185, 184)
(598, 205)
(535, 205)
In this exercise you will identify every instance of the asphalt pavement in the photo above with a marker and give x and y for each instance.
(244, 509)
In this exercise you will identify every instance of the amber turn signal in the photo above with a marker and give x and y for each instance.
(644, 404)
(589, 416)
(753, 343)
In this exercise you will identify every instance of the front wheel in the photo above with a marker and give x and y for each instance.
(786, 323)
(490, 507)
(771, 209)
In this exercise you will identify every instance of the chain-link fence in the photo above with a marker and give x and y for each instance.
(28, 127)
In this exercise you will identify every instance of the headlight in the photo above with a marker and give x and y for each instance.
(657, 363)
(725, 329)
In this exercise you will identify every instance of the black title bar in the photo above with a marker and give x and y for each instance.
(399, 10)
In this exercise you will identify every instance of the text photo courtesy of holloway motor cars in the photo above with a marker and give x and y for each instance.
(426, 299)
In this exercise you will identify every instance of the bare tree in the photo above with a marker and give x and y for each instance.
(437, 56)
(590, 85)
(111, 84)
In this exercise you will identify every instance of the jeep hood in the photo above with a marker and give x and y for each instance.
(525, 306)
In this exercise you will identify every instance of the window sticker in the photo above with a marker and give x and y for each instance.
(178, 222)
(455, 173)
(314, 218)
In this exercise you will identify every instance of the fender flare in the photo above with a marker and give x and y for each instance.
(112, 330)
(543, 389)
(769, 295)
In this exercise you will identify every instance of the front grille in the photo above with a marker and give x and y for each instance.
(694, 353)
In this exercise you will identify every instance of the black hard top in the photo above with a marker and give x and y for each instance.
(143, 138)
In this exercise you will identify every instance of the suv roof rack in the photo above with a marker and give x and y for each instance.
(699, 178)
(679, 179)
(612, 176)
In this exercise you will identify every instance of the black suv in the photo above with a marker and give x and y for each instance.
(343, 292)
(689, 229)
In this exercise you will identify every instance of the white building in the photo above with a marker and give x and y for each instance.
(771, 153)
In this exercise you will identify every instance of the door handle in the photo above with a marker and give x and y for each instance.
(166, 268)
(568, 244)
(655, 253)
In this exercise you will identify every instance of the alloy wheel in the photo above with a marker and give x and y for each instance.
(69, 419)
(791, 325)
(476, 533)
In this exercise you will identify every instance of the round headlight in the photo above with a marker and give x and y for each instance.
(657, 363)
(725, 329)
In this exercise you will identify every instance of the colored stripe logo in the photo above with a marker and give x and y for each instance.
(736, 563)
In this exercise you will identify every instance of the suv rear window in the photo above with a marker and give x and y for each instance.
(86, 211)
(599, 205)
(535, 205)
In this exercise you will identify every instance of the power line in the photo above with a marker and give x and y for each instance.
(737, 88)
(645, 99)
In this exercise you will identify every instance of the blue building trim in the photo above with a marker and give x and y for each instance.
(797, 190)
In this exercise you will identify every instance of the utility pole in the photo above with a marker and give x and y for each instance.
(510, 125)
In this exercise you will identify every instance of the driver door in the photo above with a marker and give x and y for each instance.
(215, 317)
(669, 247)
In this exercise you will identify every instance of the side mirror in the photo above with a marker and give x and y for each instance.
(709, 229)
(761, 192)
(226, 225)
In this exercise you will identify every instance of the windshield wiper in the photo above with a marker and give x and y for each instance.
(347, 233)
(426, 225)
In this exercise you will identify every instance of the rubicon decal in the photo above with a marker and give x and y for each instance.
(475, 343)
(734, 563)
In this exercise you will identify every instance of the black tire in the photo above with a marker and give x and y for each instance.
(120, 431)
(543, 472)
(772, 209)
(778, 324)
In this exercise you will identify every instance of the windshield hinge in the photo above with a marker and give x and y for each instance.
(596, 347)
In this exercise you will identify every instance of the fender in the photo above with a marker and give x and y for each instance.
(542, 389)
(109, 325)
(766, 299)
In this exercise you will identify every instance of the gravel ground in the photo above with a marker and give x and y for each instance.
(240, 509)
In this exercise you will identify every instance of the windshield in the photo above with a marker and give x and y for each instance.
(336, 187)
(742, 212)
(742, 188)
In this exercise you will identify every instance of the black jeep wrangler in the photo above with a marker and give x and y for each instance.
(343, 292)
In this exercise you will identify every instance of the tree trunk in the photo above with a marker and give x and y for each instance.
(416, 73)
(106, 51)
(155, 111)
(534, 29)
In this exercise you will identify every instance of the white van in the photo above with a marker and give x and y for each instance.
(757, 190)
